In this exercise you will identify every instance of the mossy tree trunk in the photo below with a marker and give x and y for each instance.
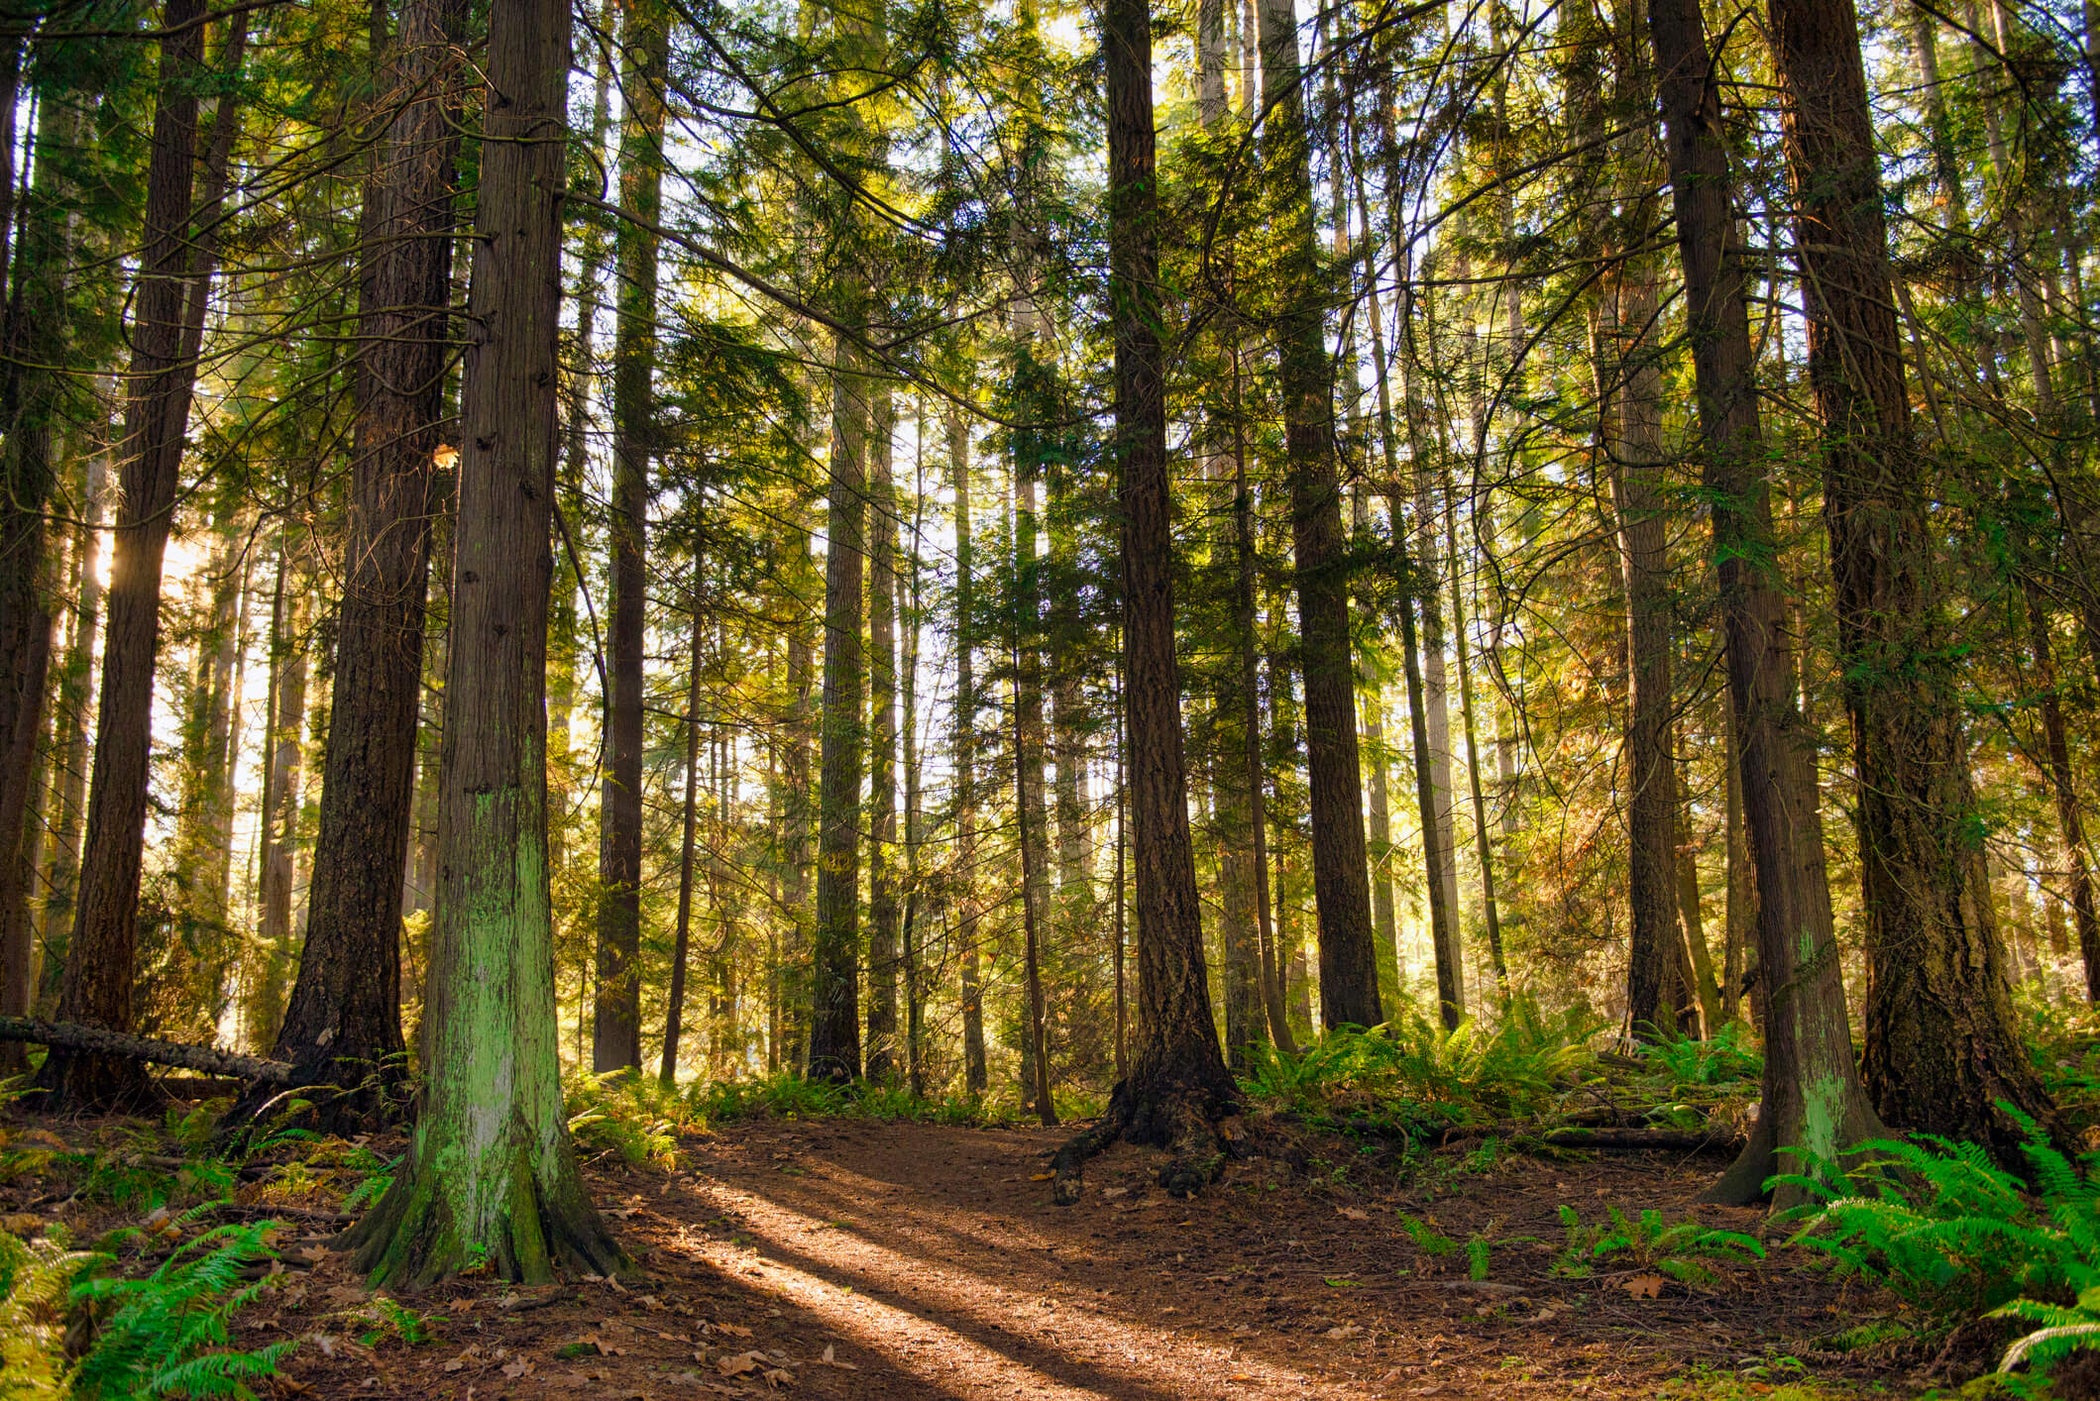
(491, 1176)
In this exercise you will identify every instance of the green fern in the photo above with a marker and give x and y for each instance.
(1947, 1228)
(34, 1277)
(1647, 1242)
(167, 1334)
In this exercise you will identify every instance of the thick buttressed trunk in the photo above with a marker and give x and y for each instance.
(965, 747)
(101, 957)
(616, 1038)
(1813, 1099)
(1178, 1087)
(834, 1024)
(1941, 1049)
(491, 1176)
(883, 1059)
(1341, 880)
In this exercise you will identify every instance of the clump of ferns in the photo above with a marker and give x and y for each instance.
(1946, 1228)
(166, 1334)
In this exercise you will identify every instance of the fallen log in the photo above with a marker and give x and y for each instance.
(1643, 1140)
(209, 1059)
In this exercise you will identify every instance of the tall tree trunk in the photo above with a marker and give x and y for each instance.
(1941, 1050)
(882, 746)
(1035, 1060)
(964, 745)
(1813, 1098)
(791, 978)
(834, 1026)
(2070, 821)
(1348, 962)
(344, 1018)
(1178, 1085)
(616, 1038)
(911, 609)
(681, 938)
(76, 692)
(36, 347)
(284, 717)
(102, 954)
(491, 1178)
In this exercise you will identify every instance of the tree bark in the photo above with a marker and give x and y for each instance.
(491, 1175)
(101, 957)
(834, 1027)
(616, 1033)
(1341, 882)
(1178, 1086)
(964, 744)
(882, 747)
(1813, 1098)
(2070, 821)
(681, 937)
(1941, 1050)
(344, 1017)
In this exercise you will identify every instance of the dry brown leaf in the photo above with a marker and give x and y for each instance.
(1354, 1213)
(1042, 1177)
(518, 1367)
(830, 1359)
(777, 1377)
(1645, 1286)
(1344, 1330)
(741, 1364)
(734, 1330)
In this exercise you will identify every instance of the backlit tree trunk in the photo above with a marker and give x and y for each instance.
(616, 1040)
(102, 954)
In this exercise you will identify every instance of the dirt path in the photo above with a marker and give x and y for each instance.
(924, 1262)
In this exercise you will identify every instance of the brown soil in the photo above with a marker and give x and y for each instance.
(855, 1259)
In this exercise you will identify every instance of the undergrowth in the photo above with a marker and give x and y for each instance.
(1953, 1233)
(165, 1334)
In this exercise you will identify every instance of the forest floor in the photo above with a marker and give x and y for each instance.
(855, 1258)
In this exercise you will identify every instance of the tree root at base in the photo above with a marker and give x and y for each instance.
(1199, 1130)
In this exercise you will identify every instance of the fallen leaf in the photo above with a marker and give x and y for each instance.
(734, 1330)
(517, 1367)
(1645, 1286)
(830, 1359)
(1346, 1330)
(1354, 1213)
(1334, 1283)
(777, 1377)
(741, 1364)
(1042, 1177)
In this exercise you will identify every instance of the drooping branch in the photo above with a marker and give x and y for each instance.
(209, 1059)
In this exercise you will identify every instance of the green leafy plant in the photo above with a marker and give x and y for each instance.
(1718, 1060)
(168, 1333)
(1949, 1229)
(1412, 1075)
(392, 1319)
(1648, 1242)
(34, 1278)
(1427, 1238)
(632, 1115)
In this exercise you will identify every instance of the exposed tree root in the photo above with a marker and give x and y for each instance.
(1198, 1126)
(428, 1227)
